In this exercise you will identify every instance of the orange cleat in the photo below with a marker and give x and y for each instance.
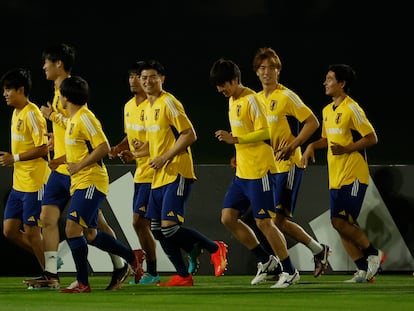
(136, 265)
(76, 288)
(219, 258)
(178, 280)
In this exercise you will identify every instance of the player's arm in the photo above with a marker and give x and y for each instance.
(310, 151)
(185, 139)
(95, 156)
(7, 158)
(252, 137)
(310, 125)
(115, 150)
(361, 144)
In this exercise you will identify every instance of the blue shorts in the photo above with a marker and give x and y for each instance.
(25, 206)
(285, 190)
(168, 202)
(57, 191)
(85, 206)
(256, 193)
(346, 202)
(141, 198)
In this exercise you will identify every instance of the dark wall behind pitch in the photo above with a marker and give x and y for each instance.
(187, 37)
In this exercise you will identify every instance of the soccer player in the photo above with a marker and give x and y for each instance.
(134, 129)
(58, 63)
(291, 123)
(85, 147)
(252, 185)
(170, 134)
(29, 160)
(346, 133)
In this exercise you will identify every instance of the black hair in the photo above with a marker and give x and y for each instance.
(16, 78)
(224, 70)
(75, 89)
(151, 64)
(134, 68)
(343, 73)
(63, 52)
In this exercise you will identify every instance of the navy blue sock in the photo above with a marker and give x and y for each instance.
(186, 238)
(174, 255)
(79, 249)
(152, 267)
(371, 250)
(260, 253)
(361, 263)
(109, 244)
(287, 265)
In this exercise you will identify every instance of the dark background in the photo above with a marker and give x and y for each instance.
(187, 36)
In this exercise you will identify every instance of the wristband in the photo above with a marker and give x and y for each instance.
(16, 157)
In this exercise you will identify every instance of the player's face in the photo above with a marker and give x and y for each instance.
(228, 88)
(267, 72)
(332, 86)
(151, 81)
(51, 69)
(12, 96)
(134, 83)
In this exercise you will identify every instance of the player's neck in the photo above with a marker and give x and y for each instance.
(20, 105)
(269, 88)
(139, 98)
(239, 91)
(73, 109)
(338, 100)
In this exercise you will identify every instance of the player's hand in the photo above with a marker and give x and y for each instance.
(337, 149)
(308, 154)
(46, 110)
(50, 141)
(126, 156)
(233, 162)
(225, 136)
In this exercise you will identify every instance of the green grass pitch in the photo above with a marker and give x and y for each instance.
(328, 292)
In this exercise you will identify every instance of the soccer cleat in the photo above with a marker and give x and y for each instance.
(193, 259)
(264, 268)
(177, 280)
(45, 281)
(136, 265)
(359, 277)
(76, 288)
(219, 259)
(374, 264)
(118, 277)
(286, 279)
(321, 261)
(147, 279)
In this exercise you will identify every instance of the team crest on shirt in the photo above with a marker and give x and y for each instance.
(71, 128)
(19, 125)
(238, 109)
(273, 104)
(338, 117)
(157, 114)
(141, 117)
